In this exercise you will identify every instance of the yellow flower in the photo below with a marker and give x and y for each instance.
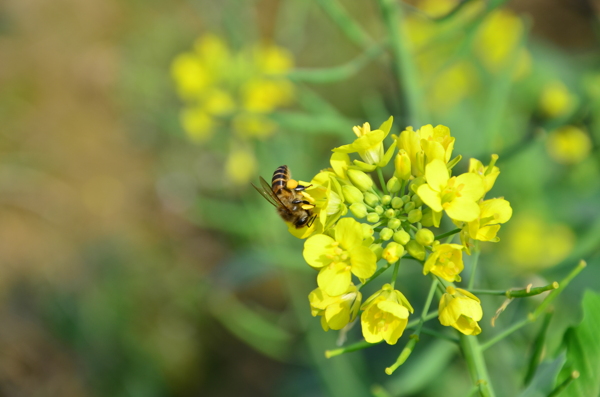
(556, 99)
(568, 145)
(336, 311)
(190, 75)
(260, 95)
(385, 315)
(493, 213)
(273, 60)
(497, 39)
(328, 198)
(198, 125)
(248, 125)
(445, 261)
(489, 173)
(437, 143)
(340, 257)
(458, 196)
(461, 310)
(369, 146)
(241, 165)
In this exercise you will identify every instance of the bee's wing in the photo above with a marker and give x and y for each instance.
(268, 194)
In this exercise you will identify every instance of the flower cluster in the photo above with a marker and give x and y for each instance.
(236, 91)
(361, 223)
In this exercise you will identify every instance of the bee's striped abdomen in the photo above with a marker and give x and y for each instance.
(280, 178)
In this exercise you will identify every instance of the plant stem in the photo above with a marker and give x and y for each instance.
(395, 274)
(382, 180)
(351, 29)
(476, 364)
(519, 293)
(474, 262)
(404, 67)
(450, 233)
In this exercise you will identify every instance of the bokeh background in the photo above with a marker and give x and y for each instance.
(137, 260)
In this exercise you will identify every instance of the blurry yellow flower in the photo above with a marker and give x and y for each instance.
(369, 145)
(340, 257)
(273, 60)
(445, 261)
(264, 95)
(219, 103)
(533, 244)
(458, 196)
(556, 100)
(461, 310)
(489, 173)
(198, 125)
(250, 125)
(459, 79)
(336, 311)
(191, 76)
(385, 315)
(241, 165)
(498, 37)
(568, 145)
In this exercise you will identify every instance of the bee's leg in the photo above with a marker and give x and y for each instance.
(311, 221)
(300, 188)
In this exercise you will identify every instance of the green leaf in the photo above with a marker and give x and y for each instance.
(544, 379)
(583, 351)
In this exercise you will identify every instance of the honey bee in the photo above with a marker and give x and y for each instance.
(286, 195)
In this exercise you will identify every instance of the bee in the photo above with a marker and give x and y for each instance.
(286, 195)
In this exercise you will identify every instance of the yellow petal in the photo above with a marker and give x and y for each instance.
(470, 185)
(363, 260)
(436, 174)
(334, 279)
(461, 209)
(430, 197)
(348, 233)
(316, 249)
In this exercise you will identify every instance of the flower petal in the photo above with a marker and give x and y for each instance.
(470, 185)
(461, 209)
(437, 175)
(316, 249)
(335, 278)
(348, 233)
(430, 197)
(364, 261)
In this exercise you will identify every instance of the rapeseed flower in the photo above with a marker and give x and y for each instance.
(460, 309)
(369, 146)
(445, 261)
(385, 315)
(336, 311)
(338, 257)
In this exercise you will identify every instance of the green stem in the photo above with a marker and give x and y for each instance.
(474, 263)
(450, 233)
(559, 389)
(414, 338)
(375, 275)
(351, 29)
(439, 335)
(519, 293)
(505, 333)
(476, 364)
(404, 67)
(337, 73)
(563, 284)
(382, 180)
(395, 274)
(348, 349)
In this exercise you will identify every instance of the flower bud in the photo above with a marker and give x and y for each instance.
(415, 250)
(386, 234)
(420, 157)
(415, 216)
(377, 250)
(392, 252)
(367, 230)
(379, 210)
(360, 179)
(372, 218)
(409, 206)
(425, 237)
(401, 237)
(417, 200)
(402, 164)
(352, 194)
(406, 198)
(394, 223)
(359, 210)
(397, 202)
(389, 213)
(393, 185)
(385, 200)
(371, 199)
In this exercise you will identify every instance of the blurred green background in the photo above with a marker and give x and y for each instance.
(136, 260)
